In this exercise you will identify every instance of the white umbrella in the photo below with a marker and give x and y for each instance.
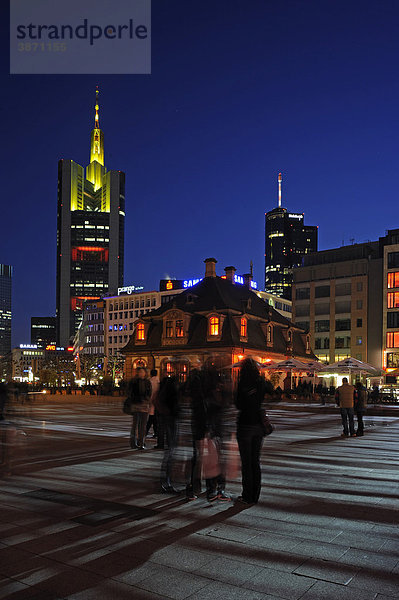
(290, 364)
(351, 365)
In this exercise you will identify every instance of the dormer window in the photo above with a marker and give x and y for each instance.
(243, 328)
(169, 329)
(179, 328)
(140, 332)
(214, 326)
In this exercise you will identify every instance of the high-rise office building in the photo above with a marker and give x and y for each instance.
(43, 331)
(90, 234)
(348, 300)
(5, 309)
(287, 241)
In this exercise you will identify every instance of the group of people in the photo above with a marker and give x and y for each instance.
(351, 399)
(206, 409)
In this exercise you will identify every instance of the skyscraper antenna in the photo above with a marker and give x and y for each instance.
(251, 268)
(96, 118)
(279, 189)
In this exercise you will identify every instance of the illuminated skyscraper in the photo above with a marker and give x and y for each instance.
(5, 309)
(287, 241)
(90, 234)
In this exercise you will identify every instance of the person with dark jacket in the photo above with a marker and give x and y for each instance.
(360, 405)
(250, 395)
(139, 392)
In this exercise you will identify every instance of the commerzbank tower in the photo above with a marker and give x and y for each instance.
(90, 233)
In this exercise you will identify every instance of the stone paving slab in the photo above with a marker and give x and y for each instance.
(325, 527)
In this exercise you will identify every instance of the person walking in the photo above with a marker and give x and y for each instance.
(250, 395)
(360, 405)
(139, 391)
(345, 398)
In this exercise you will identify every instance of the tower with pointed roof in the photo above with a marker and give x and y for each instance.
(90, 233)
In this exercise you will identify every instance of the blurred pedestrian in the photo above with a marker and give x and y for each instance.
(152, 416)
(139, 392)
(360, 405)
(250, 395)
(168, 407)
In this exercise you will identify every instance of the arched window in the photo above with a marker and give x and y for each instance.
(214, 325)
(243, 327)
(140, 331)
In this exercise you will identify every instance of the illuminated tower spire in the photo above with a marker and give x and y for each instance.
(279, 189)
(96, 169)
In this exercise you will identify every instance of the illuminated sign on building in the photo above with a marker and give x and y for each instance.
(183, 284)
(295, 216)
(28, 346)
(54, 348)
(187, 283)
(130, 289)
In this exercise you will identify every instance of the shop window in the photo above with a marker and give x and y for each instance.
(243, 327)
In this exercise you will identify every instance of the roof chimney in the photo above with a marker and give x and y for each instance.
(230, 272)
(210, 267)
(247, 280)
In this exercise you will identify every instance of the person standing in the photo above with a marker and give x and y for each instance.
(250, 395)
(345, 399)
(360, 406)
(140, 393)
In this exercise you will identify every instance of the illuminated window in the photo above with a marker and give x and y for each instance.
(140, 331)
(243, 328)
(214, 326)
(169, 329)
(179, 329)
(393, 299)
(393, 339)
(393, 279)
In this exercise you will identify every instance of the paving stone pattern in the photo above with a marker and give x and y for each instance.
(82, 516)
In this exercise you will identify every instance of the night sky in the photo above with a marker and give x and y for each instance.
(239, 90)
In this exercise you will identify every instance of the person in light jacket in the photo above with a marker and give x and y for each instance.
(345, 398)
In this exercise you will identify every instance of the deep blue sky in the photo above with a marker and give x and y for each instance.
(239, 91)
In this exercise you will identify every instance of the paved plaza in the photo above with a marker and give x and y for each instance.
(81, 516)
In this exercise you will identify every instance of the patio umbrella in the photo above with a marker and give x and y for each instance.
(290, 364)
(351, 365)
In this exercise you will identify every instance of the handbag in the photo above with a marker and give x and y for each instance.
(267, 427)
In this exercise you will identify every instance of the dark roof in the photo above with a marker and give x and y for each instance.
(223, 296)
(220, 295)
